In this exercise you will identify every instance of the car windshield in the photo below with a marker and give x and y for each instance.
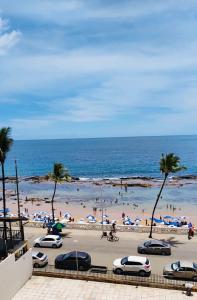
(175, 265)
(66, 255)
(59, 238)
(39, 254)
(124, 260)
(146, 244)
(195, 265)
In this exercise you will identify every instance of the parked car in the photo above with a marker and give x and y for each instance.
(39, 259)
(154, 247)
(182, 270)
(49, 241)
(132, 264)
(73, 260)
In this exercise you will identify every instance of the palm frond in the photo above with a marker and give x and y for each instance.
(5, 142)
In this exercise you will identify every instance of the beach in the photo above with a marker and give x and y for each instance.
(134, 197)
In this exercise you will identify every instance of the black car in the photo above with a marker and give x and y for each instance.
(154, 247)
(75, 260)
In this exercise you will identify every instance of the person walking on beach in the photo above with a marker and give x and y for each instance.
(190, 233)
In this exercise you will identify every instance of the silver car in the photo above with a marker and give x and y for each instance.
(154, 247)
(39, 259)
(182, 270)
(136, 265)
(49, 241)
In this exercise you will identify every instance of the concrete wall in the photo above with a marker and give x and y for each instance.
(120, 228)
(14, 274)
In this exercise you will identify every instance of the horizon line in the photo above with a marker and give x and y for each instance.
(105, 137)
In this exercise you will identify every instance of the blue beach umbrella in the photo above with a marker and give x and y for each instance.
(6, 210)
(67, 215)
(156, 220)
(90, 217)
(105, 216)
(168, 217)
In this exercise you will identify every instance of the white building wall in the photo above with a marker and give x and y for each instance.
(14, 274)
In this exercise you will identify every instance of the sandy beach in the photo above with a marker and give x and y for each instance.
(135, 197)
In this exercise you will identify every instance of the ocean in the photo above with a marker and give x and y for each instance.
(102, 157)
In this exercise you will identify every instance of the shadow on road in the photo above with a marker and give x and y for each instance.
(172, 241)
(66, 235)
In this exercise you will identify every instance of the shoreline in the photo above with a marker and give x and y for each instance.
(134, 196)
(130, 181)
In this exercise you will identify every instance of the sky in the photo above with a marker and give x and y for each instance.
(97, 68)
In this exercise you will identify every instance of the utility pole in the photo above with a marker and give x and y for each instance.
(18, 202)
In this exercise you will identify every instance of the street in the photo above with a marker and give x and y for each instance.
(104, 252)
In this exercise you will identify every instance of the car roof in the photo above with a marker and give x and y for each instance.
(51, 236)
(157, 242)
(36, 253)
(79, 254)
(186, 264)
(141, 259)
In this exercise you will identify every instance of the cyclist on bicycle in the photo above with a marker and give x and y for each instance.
(111, 235)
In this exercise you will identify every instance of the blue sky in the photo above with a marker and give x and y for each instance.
(90, 68)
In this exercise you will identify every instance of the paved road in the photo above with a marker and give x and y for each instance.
(104, 252)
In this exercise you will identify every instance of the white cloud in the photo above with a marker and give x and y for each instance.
(8, 39)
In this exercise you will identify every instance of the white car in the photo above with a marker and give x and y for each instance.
(137, 265)
(50, 241)
(39, 259)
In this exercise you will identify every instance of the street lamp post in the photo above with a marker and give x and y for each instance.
(77, 263)
(18, 201)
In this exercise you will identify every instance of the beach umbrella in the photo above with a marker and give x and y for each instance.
(168, 217)
(105, 216)
(184, 217)
(58, 226)
(90, 217)
(156, 220)
(6, 210)
(67, 215)
(138, 219)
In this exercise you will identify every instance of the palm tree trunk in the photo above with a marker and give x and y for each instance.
(157, 200)
(4, 206)
(52, 202)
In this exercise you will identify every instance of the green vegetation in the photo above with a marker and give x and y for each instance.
(169, 163)
(60, 174)
(5, 144)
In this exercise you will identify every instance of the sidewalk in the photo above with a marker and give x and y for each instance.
(46, 288)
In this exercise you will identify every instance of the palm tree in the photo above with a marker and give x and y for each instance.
(5, 145)
(59, 175)
(169, 163)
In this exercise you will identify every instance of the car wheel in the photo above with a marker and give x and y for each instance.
(118, 271)
(36, 265)
(54, 246)
(163, 253)
(195, 278)
(142, 251)
(142, 273)
(81, 268)
(37, 245)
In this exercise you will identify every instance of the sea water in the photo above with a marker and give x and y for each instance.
(102, 157)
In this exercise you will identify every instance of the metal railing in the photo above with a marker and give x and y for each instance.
(153, 280)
